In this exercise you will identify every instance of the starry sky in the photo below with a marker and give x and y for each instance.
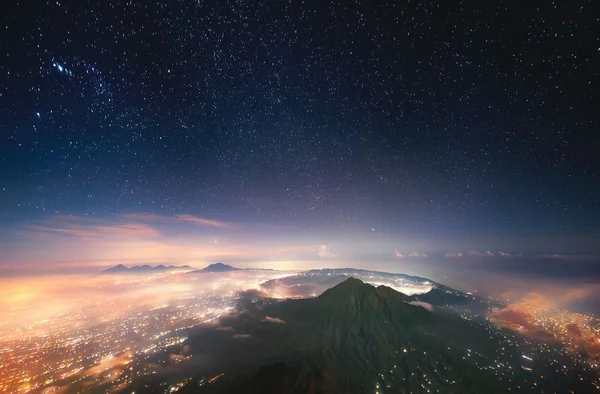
(257, 131)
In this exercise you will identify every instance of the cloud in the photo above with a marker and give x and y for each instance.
(122, 230)
(205, 222)
(554, 256)
(570, 257)
(422, 304)
(413, 255)
(75, 219)
(474, 253)
(517, 318)
(145, 216)
(152, 217)
(241, 336)
(269, 319)
(573, 329)
(478, 254)
(325, 252)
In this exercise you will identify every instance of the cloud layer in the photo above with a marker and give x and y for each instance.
(524, 316)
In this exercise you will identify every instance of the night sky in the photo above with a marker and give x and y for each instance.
(350, 130)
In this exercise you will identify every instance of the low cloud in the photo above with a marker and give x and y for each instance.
(453, 255)
(269, 319)
(518, 318)
(412, 255)
(524, 316)
(422, 304)
(241, 336)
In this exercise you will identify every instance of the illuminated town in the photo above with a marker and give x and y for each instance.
(107, 345)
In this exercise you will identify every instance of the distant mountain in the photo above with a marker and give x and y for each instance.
(116, 269)
(301, 285)
(220, 267)
(216, 267)
(314, 282)
(141, 268)
(358, 273)
(121, 269)
(444, 296)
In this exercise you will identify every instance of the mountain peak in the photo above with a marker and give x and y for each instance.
(350, 288)
(353, 281)
(116, 269)
(219, 267)
(354, 295)
(349, 285)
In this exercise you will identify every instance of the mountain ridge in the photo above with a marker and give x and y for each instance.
(143, 268)
(220, 267)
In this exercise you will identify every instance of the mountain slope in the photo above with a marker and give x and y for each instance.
(116, 269)
(355, 339)
(360, 331)
(351, 339)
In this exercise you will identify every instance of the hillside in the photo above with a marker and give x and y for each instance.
(351, 339)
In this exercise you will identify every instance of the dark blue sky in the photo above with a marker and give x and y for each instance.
(434, 119)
